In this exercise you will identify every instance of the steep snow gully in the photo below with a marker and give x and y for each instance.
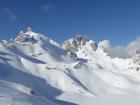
(35, 70)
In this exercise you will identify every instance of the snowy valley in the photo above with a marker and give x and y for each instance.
(35, 70)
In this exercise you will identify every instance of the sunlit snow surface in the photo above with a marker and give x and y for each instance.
(40, 72)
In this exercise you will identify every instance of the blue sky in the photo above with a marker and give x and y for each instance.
(115, 20)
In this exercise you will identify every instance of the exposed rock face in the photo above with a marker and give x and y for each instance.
(136, 58)
(94, 46)
(21, 37)
(138, 51)
(78, 42)
(136, 61)
(71, 54)
(69, 46)
(29, 35)
(103, 49)
(29, 29)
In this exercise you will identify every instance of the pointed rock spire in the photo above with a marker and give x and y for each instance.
(21, 37)
(21, 33)
(29, 29)
(138, 51)
(79, 42)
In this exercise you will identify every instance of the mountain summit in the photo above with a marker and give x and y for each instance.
(29, 35)
(78, 42)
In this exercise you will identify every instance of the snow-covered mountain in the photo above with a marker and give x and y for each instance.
(35, 70)
(78, 43)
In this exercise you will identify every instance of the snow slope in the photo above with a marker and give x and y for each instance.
(35, 70)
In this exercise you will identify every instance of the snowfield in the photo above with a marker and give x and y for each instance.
(35, 70)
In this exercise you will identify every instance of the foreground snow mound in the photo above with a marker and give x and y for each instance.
(16, 94)
(35, 70)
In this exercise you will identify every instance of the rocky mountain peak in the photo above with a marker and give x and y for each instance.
(21, 37)
(28, 35)
(29, 29)
(78, 42)
(136, 58)
(138, 51)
